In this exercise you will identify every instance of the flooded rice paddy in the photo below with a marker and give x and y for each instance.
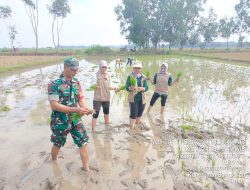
(200, 142)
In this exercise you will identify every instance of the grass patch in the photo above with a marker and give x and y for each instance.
(179, 150)
(8, 91)
(5, 108)
(183, 167)
(26, 85)
(198, 133)
(186, 128)
(13, 63)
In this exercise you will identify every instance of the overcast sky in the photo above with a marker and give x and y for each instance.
(91, 22)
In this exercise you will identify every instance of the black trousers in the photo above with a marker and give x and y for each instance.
(156, 96)
(136, 109)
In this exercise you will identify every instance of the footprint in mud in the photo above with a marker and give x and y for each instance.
(186, 186)
(156, 178)
(123, 125)
(76, 170)
(158, 121)
(133, 183)
(143, 183)
(42, 153)
(51, 184)
(69, 166)
(171, 161)
(151, 171)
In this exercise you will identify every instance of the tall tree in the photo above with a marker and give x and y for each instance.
(242, 20)
(226, 27)
(6, 14)
(187, 18)
(193, 38)
(59, 10)
(134, 21)
(32, 12)
(209, 27)
(12, 35)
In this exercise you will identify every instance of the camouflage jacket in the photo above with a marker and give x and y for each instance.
(66, 92)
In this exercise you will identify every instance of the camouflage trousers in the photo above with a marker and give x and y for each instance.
(61, 130)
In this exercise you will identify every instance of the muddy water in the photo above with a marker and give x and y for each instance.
(200, 142)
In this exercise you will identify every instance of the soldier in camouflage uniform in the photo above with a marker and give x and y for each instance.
(66, 97)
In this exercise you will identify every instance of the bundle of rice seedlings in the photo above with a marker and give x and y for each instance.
(75, 117)
(179, 74)
(147, 73)
(5, 108)
(122, 87)
(186, 128)
(133, 81)
(92, 87)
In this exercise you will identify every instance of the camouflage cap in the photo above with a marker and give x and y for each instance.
(72, 62)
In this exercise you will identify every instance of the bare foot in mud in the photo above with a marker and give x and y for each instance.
(88, 171)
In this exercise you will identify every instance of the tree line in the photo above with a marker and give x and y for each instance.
(157, 23)
(59, 9)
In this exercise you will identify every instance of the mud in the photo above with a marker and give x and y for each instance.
(200, 142)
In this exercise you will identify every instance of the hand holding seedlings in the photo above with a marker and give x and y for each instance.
(140, 89)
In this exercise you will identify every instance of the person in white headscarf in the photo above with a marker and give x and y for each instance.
(162, 80)
(102, 94)
(136, 94)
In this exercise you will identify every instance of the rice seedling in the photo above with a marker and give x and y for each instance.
(147, 74)
(186, 128)
(179, 74)
(75, 117)
(92, 87)
(122, 87)
(133, 81)
(179, 150)
(210, 158)
(207, 186)
(5, 108)
(183, 167)
(28, 84)
(198, 134)
(48, 120)
(8, 91)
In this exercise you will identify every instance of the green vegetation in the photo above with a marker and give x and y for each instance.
(92, 87)
(49, 120)
(179, 74)
(186, 128)
(183, 167)
(98, 50)
(179, 150)
(146, 73)
(198, 134)
(122, 87)
(139, 18)
(210, 158)
(59, 9)
(133, 81)
(28, 84)
(5, 108)
(75, 117)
